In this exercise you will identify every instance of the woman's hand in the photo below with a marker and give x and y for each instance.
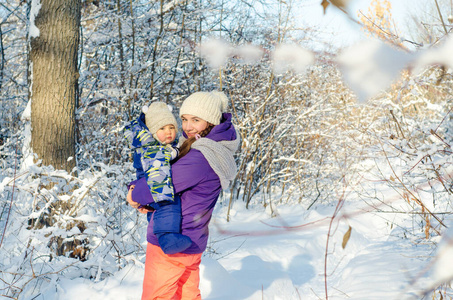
(144, 210)
(135, 204)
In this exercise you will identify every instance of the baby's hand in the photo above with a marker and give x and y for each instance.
(129, 198)
(136, 205)
(174, 152)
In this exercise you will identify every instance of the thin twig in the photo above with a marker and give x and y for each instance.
(12, 197)
(337, 210)
(409, 191)
(441, 18)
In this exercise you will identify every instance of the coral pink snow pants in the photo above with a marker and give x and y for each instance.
(171, 277)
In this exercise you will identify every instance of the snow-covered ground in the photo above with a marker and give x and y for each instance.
(255, 256)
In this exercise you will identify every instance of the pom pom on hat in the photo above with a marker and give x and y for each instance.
(208, 106)
(157, 116)
(223, 100)
(144, 109)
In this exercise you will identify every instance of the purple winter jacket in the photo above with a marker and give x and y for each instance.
(199, 187)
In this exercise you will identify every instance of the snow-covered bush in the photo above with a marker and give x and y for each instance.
(294, 132)
(60, 225)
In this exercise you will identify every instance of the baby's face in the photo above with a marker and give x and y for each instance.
(166, 134)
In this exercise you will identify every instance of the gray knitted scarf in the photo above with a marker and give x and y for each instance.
(219, 156)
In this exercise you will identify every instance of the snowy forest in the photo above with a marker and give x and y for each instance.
(344, 187)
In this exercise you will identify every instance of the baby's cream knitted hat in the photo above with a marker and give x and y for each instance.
(157, 116)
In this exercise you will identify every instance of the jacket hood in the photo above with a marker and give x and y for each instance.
(141, 121)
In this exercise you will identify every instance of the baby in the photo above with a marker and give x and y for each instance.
(153, 138)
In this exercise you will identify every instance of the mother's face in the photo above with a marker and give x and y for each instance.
(193, 125)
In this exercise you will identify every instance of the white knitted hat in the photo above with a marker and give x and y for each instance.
(157, 116)
(208, 106)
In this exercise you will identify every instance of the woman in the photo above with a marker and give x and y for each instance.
(204, 166)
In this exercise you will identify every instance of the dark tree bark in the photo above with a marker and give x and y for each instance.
(54, 81)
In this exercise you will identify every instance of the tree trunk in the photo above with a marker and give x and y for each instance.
(54, 80)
